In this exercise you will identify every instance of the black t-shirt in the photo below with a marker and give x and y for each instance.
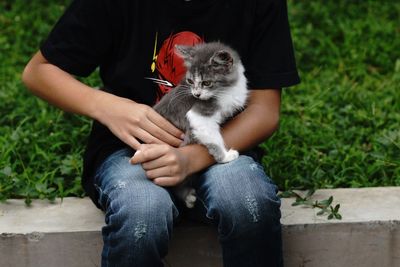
(132, 42)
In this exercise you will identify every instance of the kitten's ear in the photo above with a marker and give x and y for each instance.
(184, 51)
(222, 58)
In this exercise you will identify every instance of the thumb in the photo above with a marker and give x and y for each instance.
(136, 158)
(139, 157)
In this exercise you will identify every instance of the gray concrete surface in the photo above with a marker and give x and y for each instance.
(67, 233)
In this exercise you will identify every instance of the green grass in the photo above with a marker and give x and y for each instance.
(40, 146)
(339, 128)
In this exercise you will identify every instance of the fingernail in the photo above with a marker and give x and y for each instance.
(182, 136)
(136, 153)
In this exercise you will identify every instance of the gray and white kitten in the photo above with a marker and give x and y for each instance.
(212, 91)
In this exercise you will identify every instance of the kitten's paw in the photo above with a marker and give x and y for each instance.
(190, 198)
(230, 155)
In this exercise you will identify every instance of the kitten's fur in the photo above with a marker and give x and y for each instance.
(213, 90)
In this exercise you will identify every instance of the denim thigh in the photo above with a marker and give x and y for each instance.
(139, 214)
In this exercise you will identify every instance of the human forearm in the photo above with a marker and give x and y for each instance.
(126, 119)
(60, 88)
(256, 123)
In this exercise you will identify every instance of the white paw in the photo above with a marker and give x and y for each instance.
(190, 198)
(230, 155)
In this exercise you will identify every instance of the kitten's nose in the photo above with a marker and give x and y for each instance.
(196, 94)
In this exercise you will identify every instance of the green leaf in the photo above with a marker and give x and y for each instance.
(297, 203)
(28, 201)
(321, 212)
(326, 202)
(6, 171)
(337, 207)
(50, 190)
(310, 192)
(330, 200)
(338, 216)
(308, 202)
(40, 187)
(286, 194)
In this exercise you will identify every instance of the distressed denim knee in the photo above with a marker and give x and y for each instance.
(243, 202)
(139, 214)
(249, 214)
(241, 197)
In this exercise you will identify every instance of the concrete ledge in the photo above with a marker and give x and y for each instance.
(68, 234)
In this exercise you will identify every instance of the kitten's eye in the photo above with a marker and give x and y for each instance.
(189, 81)
(206, 83)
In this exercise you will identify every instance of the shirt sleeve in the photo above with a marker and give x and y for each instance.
(80, 40)
(271, 63)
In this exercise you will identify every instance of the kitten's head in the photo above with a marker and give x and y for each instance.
(212, 68)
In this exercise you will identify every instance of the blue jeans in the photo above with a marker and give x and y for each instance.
(237, 196)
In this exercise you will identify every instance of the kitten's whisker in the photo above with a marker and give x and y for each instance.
(177, 96)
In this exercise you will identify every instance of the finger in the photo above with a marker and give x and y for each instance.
(148, 152)
(166, 181)
(164, 124)
(154, 164)
(159, 133)
(131, 141)
(165, 171)
(146, 137)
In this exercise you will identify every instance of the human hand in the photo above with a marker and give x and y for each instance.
(164, 165)
(130, 121)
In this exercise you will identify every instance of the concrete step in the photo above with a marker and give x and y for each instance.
(67, 234)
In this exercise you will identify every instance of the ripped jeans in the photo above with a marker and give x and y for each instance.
(237, 196)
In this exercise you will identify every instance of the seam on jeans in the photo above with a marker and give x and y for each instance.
(99, 192)
(106, 197)
(108, 202)
(108, 238)
(205, 206)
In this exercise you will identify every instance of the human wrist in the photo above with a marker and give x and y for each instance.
(102, 104)
(198, 157)
(99, 103)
